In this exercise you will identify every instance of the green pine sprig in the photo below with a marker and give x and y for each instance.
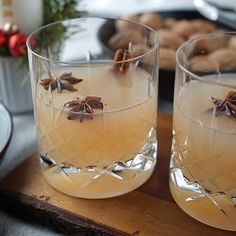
(54, 10)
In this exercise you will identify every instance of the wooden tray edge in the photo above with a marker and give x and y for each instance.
(58, 219)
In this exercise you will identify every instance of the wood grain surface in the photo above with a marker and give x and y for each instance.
(148, 211)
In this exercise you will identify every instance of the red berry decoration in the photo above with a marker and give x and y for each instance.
(3, 39)
(17, 45)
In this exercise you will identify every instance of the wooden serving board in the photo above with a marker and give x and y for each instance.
(148, 211)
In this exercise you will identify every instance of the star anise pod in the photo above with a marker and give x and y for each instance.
(228, 105)
(83, 109)
(64, 81)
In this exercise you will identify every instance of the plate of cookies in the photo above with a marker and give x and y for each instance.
(173, 29)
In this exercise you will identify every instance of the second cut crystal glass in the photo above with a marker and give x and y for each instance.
(203, 161)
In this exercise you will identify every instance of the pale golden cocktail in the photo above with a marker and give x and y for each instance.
(96, 120)
(203, 162)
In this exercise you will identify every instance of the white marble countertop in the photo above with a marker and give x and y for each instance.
(114, 8)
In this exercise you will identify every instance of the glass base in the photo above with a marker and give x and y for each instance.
(215, 209)
(96, 182)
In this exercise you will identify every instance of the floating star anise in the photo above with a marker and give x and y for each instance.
(228, 105)
(64, 81)
(85, 108)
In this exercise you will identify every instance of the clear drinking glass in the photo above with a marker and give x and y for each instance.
(203, 161)
(95, 115)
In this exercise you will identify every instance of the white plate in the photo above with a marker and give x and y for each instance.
(6, 128)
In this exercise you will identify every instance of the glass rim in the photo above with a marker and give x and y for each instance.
(196, 38)
(104, 62)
